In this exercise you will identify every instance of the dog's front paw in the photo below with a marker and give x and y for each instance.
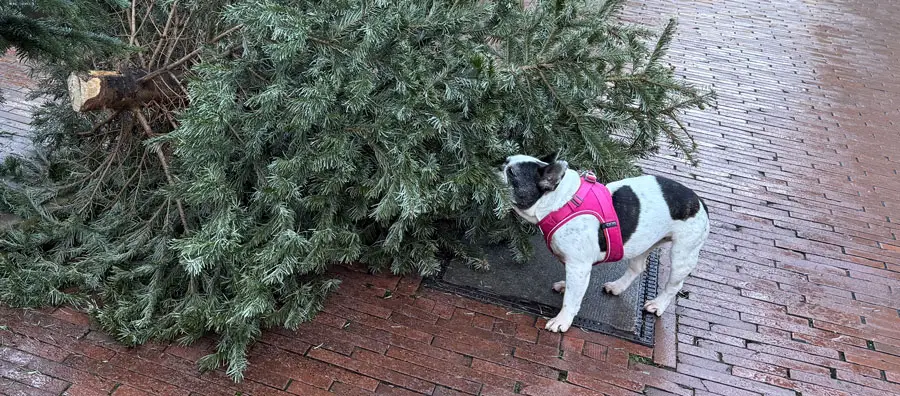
(559, 324)
(560, 287)
(656, 306)
(613, 288)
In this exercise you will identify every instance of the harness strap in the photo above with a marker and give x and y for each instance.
(592, 199)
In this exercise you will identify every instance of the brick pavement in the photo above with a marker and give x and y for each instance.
(797, 291)
(15, 111)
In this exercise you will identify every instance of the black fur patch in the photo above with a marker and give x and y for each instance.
(628, 209)
(682, 201)
(523, 177)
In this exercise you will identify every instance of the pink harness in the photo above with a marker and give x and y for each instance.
(592, 199)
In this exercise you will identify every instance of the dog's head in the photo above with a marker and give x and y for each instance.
(531, 178)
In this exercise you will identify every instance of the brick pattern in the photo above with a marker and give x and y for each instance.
(798, 290)
(15, 111)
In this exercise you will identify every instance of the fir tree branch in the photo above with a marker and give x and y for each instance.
(188, 57)
(662, 44)
(137, 170)
(164, 35)
(100, 124)
(177, 40)
(132, 23)
(98, 181)
(165, 165)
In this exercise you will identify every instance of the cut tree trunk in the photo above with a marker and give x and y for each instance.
(100, 89)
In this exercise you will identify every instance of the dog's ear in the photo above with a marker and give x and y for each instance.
(551, 175)
(550, 158)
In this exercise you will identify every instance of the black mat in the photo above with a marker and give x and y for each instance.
(528, 287)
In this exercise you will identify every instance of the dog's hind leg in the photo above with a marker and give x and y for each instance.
(684, 255)
(636, 265)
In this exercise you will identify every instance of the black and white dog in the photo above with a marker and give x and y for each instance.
(652, 211)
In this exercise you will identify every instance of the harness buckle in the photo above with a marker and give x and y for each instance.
(610, 224)
(590, 177)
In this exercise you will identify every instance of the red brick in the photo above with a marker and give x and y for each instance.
(751, 384)
(443, 391)
(423, 303)
(305, 370)
(33, 378)
(85, 390)
(443, 310)
(420, 372)
(303, 389)
(529, 334)
(369, 369)
(571, 345)
(361, 303)
(409, 285)
(511, 373)
(893, 376)
(708, 364)
(342, 389)
(255, 388)
(145, 375)
(377, 323)
(566, 388)
(391, 390)
(481, 349)
(72, 316)
(120, 374)
(455, 370)
(665, 340)
(595, 351)
(873, 359)
(126, 390)
(33, 346)
(551, 339)
(482, 321)
(355, 276)
(81, 380)
(488, 390)
(611, 342)
(833, 385)
(869, 382)
(193, 352)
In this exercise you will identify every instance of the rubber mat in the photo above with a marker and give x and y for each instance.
(528, 288)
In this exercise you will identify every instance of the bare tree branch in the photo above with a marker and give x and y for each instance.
(165, 164)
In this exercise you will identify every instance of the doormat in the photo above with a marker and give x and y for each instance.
(528, 288)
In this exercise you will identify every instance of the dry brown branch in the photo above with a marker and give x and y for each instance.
(163, 162)
(163, 35)
(132, 24)
(100, 124)
(133, 175)
(146, 15)
(184, 26)
(187, 57)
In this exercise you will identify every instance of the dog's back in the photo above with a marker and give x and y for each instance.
(655, 208)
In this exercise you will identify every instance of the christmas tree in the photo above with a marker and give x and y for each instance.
(259, 142)
(58, 31)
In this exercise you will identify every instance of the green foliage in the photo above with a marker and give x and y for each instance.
(58, 31)
(340, 131)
